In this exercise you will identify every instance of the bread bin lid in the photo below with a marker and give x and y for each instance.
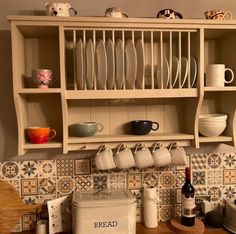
(101, 198)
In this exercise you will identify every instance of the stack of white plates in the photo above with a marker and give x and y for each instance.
(212, 125)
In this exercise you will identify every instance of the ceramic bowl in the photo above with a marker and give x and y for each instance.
(85, 129)
(212, 117)
(211, 130)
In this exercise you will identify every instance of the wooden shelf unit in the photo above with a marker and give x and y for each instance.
(51, 42)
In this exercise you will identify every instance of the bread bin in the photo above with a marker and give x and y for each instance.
(104, 212)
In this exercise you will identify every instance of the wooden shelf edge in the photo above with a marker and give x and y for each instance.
(215, 139)
(219, 89)
(39, 91)
(43, 146)
(137, 93)
(127, 138)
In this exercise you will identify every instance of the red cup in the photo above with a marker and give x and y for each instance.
(39, 135)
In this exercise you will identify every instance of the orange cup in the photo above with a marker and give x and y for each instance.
(38, 135)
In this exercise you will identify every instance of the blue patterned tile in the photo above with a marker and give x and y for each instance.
(229, 160)
(65, 185)
(214, 177)
(83, 182)
(198, 161)
(215, 193)
(65, 167)
(151, 179)
(10, 170)
(199, 178)
(166, 212)
(117, 181)
(229, 192)
(100, 182)
(47, 168)
(29, 169)
(214, 161)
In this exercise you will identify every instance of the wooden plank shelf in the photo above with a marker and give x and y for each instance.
(47, 145)
(215, 139)
(220, 89)
(39, 91)
(137, 93)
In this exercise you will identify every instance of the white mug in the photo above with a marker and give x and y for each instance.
(104, 158)
(161, 155)
(124, 157)
(215, 75)
(178, 155)
(142, 156)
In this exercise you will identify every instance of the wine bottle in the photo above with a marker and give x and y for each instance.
(188, 212)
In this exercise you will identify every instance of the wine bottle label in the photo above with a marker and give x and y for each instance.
(188, 206)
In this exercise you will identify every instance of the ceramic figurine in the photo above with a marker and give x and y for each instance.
(59, 9)
(169, 14)
(218, 14)
(115, 12)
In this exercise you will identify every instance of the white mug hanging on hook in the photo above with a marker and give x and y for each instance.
(178, 155)
(161, 155)
(124, 158)
(104, 158)
(142, 156)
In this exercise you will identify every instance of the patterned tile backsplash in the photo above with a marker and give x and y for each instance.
(39, 181)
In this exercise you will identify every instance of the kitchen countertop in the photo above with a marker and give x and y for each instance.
(163, 228)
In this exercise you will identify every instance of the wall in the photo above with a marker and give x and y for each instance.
(51, 175)
(38, 181)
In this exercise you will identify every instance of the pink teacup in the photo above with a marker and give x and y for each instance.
(42, 77)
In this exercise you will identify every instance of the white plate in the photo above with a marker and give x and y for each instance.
(110, 64)
(140, 65)
(131, 64)
(101, 65)
(175, 70)
(193, 71)
(165, 74)
(119, 54)
(184, 70)
(80, 64)
(89, 53)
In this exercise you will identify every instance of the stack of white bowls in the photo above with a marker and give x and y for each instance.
(212, 125)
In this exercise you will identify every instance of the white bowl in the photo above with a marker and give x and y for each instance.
(213, 117)
(211, 130)
(212, 123)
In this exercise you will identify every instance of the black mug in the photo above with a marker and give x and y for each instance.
(143, 127)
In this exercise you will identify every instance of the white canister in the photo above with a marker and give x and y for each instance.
(150, 207)
(104, 211)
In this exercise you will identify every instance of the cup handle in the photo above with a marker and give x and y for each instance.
(173, 144)
(99, 127)
(232, 75)
(229, 14)
(54, 133)
(100, 148)
(138, 146)
(157, 126)
(157, 145)
(124, 146)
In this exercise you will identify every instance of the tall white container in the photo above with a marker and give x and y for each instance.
(104, 212)
(150, 207)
